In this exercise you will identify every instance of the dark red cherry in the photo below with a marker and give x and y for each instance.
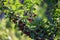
(27, 33)
(15, 21)
(24, 24)
(21, 24)
(21, 27)
(34, 15)
(30, 19)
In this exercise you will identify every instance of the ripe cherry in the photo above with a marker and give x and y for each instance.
(30, 19)
(34, 15)
(21, 25)
(27, 33)
(14, 20)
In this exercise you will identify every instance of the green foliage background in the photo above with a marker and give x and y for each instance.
(7, 30)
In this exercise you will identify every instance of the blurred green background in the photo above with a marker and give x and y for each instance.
(47, 10)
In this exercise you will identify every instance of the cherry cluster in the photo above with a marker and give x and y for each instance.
(39, 33)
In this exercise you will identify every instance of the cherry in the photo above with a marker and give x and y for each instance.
(21, 23)
(14, 21)
(27, 33)
(30, 19)
(24, 24)
(21, 27)
(34, 15)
